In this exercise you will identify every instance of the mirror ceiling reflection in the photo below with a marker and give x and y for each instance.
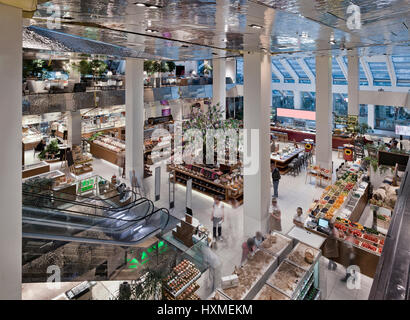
(204, 29)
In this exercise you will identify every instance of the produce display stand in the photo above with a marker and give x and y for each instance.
(206, 186)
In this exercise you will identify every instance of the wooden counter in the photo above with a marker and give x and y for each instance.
(283, 165)
(103, 153)
(42, 167)
(299, 136)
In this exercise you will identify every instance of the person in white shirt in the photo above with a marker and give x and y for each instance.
(298, 219)
(218, 216)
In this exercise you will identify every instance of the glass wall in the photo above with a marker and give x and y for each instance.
(386, 117)
(239, 71)
(363, 114)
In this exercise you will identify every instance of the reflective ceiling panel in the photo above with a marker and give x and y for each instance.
(204, 29)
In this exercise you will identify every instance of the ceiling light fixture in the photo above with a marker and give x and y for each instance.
(153, 7)
(332, 41)
(139, 4)
(151, 30)
(256, 26)
(184, 46)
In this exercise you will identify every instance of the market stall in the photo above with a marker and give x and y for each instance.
(210, 181)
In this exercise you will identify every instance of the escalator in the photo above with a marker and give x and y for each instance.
(51, 216)
(83, 233)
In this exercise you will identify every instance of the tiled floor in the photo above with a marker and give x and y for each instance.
(293, 192)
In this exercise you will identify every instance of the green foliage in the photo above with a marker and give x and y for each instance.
(95, 136)
(149, 288)
(151, 66)
(35, 68)
(94, 67)
(51, 149)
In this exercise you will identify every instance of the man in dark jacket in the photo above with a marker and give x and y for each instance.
(275, 179)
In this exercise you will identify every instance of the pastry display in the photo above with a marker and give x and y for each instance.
(286, 278)
(275, 244)
(182, 276)
(249, 274)
(298, 255)
(269, 293)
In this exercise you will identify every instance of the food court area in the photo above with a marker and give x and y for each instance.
(257, 153)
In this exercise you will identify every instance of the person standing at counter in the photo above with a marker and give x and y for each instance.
(248, 247)
(298, 219)
(331, 248)
(275, 179)
(275, 217)
(218, 216)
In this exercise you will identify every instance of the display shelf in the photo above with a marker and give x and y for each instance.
(269, 293)
(220, 296)
(252, 276)
(306, 288)
(280, 248)
(179, 292)
(183, 272)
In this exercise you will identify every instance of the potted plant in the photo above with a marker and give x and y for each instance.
(50, 152)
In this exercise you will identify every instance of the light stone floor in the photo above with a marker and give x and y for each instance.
(293, 192)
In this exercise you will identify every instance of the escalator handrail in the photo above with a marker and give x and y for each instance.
(88, 198)
(131, 205)
(93, 240)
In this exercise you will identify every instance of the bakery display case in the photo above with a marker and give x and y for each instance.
(252, 275)
(181, 283)
(277, 245)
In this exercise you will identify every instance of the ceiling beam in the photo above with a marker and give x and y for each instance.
(390, 69)
(277, 73)
(289, 69)
(342, 65)
(306, 69)
(366, 70)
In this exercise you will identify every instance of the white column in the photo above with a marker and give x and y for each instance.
(297, 99)
(257, 104)
(370, 115)
(353, 84)
(324, 111)
(219, 85)
(75, 128)
(10, 145)
(231, 69)
(134, 117)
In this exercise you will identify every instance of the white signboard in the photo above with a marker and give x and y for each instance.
(403, 130)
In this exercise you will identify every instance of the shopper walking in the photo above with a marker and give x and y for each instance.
(275, 219)
(248, 247)
(275, 179)
(298, 219)
(218, 216)
(331, 247)
(350, 253)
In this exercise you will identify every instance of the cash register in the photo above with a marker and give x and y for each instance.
(323, 226)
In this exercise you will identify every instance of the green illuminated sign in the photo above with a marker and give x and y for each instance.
(87, 185)
(134, 263)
